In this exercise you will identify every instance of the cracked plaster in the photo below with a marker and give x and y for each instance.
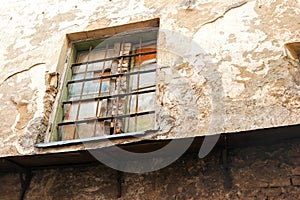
(239, 76)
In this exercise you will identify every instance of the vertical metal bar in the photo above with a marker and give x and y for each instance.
(128, 89)
(118, 86)
(137, 87)
(82, 88)
(99, 92)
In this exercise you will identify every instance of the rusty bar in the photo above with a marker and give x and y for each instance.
(114, 58)
(111, 96)
(118, 86)
(99, 92)
(82, 88)
(137, 86)
(105, 118)
(111, 76)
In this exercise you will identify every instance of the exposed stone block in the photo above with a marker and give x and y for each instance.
(296, 180)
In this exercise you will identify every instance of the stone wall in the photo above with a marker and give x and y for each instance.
(254, 172)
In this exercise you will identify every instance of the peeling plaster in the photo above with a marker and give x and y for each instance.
(13, 127)
(21, 71)
(230, 66)
(226, 9)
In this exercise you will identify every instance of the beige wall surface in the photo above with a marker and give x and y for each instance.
(222, 65)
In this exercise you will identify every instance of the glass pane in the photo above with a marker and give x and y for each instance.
(79, 69)
(74, 91)
(102, 128)
(105, 86)
(140, 123)
(94, 68)
(87, 110)
(102, 108)
(145, 103)
(91, 89)
(70, 112)
(78, 76)
(86, 130)
(100, 66)
(67, 132)
(145, 59)
(98, 54)
(82, 56)
(145, 81)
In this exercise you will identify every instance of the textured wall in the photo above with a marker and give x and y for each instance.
(236, 77)
(258, 172)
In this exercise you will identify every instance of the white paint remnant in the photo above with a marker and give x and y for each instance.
(13, 127)
(37, 76)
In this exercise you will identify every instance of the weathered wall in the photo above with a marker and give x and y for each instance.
(236, 77)
(259, 172)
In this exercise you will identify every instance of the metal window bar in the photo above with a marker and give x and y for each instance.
(128, 89)
(113, 58)
(110, 76)
(105, 118)
(122, 49)
(137, 86)
(110, 96)
(82, 88)
(99, 92)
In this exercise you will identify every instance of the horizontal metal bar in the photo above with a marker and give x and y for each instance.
(110, 96)
(114, 58)
(110, 76)
(143, 88)
(93, 139)
(105, 118)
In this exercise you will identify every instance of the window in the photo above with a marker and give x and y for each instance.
(109, 86)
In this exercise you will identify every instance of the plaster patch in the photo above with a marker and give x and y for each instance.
(131, 7)
(37, 84)
(13, 127)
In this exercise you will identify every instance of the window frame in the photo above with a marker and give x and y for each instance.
(52, 132)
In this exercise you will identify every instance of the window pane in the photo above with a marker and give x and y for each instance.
(105, 87)
(91, 89)
(145, 103)
(103, 109)
(140, 123)
(74, 91)
(67, 132)
(87, 110)
(86, 130)
(82, 56)
(144, 59)
(78, 69)
(100, 66)
(70, 112)
(98, 54)
(145, 81)
(103, 128)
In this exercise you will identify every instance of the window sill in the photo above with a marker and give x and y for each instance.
(93, 139)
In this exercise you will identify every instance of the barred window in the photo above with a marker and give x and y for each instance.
(109, 87)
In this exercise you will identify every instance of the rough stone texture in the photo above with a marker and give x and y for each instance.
(222, 64)
(257, 172)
